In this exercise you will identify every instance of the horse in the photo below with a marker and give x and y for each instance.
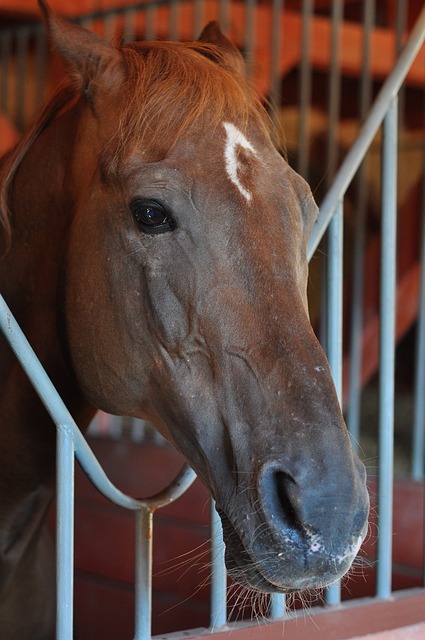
(154, 253)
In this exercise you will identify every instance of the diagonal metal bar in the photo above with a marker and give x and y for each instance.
(358, 151)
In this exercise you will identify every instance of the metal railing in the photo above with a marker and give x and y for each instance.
(384, 110)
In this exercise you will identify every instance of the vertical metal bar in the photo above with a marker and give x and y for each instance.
(173, 20)
(356, 332)
(87, 23)
(359, 147)
(276, 50)
(5, 54)
(386, 355)
(334, 324)
(40, 66)
(198, 18)
(224, 14)
(334, 90)
(334, 93)
(110, 27)
(400, 30)
(249, 45)
(129, 27)
(143, 574)
(305, 90)
(335, 289)
(277, 605)
(21, 74)
(418, 447)
(65, 533)
(355, 375)
(150, 32)
(218, 573)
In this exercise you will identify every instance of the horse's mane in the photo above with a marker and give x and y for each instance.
(169, 87)
(10, 163)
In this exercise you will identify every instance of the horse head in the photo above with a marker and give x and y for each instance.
(184, 297)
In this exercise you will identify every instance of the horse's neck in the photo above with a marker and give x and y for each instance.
(31, 274)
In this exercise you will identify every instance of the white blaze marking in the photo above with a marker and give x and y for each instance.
(235, 139)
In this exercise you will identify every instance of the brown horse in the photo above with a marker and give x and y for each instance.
(155, 256)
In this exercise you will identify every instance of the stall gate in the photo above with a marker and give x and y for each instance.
(293, 48)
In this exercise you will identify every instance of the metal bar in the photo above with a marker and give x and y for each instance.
(356, 333)
(71, 442)
(110, 27)
(40, 66)
(22, 45)
(335, 296)
(249, 45)
(198, 18)
(218, 615)
(387, 348)
(65, 533)
(173, 24)
(129, 26)
(357, 152)
(61, 416)
(277, 605)
(32, 367)
(334, 101)
(150, 32)
(418, 447)
(143, 574)
(5, 54)
(305, 90)
(400, 30)
(224, 14)
(275, 54)
(334, 340)
(334, 91)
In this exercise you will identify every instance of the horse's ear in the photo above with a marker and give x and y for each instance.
(91, 61)
(232, 57)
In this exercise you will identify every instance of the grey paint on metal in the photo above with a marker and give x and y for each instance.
(277, 605)
(418, 448)
(387, 350)
(358, 150)
(356, 332)
(65, 532)
(334, 98)
(305, 90)
(275, 52)
(70, 442)
(334, 327)
(218, 608)
(143, 574)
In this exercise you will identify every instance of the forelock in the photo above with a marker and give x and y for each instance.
(171, 88)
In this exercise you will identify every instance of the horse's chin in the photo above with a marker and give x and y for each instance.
(272, 571)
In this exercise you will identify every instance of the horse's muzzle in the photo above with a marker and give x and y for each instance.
(299, 537)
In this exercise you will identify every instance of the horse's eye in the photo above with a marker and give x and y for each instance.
(151, 216)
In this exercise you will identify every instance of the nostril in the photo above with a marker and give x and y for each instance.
(285, 499)
(281, 501)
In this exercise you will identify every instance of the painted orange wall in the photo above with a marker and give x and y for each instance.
(66, 7)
